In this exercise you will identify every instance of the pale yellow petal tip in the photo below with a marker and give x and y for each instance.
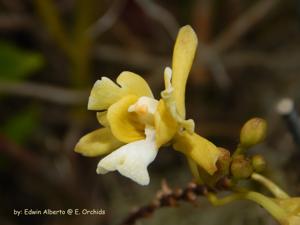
(82, 149)
(188, 31)
(134, 84)
(104, 93)
(77, 148)
(93, 96)
(97, 143)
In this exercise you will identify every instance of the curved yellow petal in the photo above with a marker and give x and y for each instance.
(165, 125)
(202, 151)
(183, 56)
(97, 143)
(125, 125)
(104, 93)
(134, 84)
(102, 118)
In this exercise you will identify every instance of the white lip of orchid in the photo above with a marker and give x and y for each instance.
(132, 160)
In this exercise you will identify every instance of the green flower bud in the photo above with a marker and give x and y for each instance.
(253, 132)
(259, 164)
(241, 168)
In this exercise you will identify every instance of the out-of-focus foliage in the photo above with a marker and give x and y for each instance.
(19, 127)
(17, 64)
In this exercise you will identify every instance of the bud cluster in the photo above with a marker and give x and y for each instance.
(252, 133)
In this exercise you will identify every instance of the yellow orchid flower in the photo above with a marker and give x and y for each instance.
(284, 208)
(136, 125)
(292, 208)
(286, 211)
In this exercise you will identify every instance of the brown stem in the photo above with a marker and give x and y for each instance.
(167, 197)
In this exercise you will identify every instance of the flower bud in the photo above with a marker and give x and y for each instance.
(253, 132)
(258, 163)
(223, 162)
(241, 168)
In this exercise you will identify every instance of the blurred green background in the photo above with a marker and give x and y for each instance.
(52, 52)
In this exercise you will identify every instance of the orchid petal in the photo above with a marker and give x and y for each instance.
(102, 118)
(97, 143)
(125, 125)
(105, 92)
(183, 56)
(202, 151)
(132, 160)
(165, 125)
(134, 84)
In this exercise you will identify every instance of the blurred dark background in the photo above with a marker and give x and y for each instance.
(52, 52)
